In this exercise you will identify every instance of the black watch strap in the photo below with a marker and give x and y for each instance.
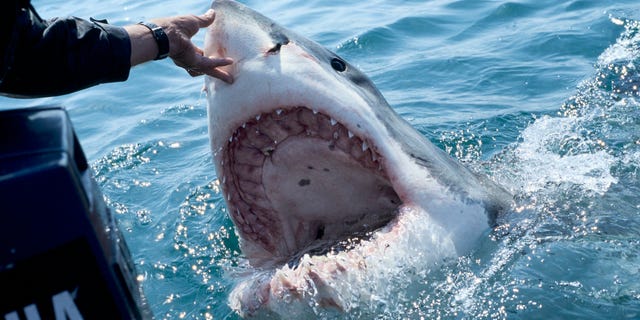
(161, 39)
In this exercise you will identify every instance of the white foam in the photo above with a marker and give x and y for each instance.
(624, 49)
(553, 152)
(372, 275)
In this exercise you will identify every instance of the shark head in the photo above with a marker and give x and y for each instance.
(310, 154)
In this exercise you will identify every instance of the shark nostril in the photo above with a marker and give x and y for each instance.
(275, 49)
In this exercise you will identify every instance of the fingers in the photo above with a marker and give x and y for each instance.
(187, 24)
(210, 66)
(207, 18)
(193, 23)
(185, 53)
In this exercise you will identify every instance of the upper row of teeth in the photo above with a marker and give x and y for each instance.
(365, 146)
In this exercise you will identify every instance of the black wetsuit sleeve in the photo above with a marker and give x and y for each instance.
(59, 56)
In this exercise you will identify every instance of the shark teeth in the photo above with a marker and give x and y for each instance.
(267, 132)
(255, 141)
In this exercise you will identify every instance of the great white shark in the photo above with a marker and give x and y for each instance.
(326, 185)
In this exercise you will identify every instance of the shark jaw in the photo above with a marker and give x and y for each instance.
(298, 181)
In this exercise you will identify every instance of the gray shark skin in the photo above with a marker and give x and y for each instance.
(321, 176)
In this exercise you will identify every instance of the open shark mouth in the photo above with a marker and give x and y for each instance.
(297, 181)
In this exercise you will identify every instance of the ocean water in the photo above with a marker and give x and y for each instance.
(542, 96)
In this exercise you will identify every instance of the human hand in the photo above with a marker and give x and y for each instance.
(184, 53)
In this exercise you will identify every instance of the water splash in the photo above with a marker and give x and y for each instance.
(567, 170)
(370, 278)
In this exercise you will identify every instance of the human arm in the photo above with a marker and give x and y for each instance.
(52, 57)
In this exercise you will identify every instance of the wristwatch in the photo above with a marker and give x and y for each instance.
(162, 40)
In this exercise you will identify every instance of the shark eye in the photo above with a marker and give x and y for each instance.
(275, 49)
(338, 65)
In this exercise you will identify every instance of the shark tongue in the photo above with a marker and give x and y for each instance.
(296, 177)
(327, 196)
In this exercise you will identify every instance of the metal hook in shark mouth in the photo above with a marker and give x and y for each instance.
(297, 180)
(329, 189)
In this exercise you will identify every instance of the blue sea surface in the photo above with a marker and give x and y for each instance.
(540, 95)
